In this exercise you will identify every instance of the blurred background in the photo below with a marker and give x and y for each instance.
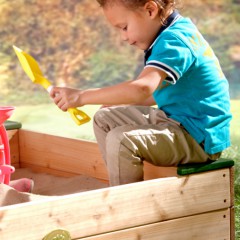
(75, 47)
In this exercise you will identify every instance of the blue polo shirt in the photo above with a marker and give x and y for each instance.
(195, 92)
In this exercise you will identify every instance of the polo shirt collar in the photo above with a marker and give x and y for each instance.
(170, 20)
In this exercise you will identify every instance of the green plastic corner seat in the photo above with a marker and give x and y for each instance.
(186, 169)
(11, 125)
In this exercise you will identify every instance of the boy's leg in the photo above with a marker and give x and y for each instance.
(106, 119)
(161, 145)
(129, 135)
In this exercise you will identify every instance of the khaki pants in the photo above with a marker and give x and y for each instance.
(129, 135)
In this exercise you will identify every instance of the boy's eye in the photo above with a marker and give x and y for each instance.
(124, 28)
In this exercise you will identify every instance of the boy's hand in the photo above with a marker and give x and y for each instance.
(66, 98)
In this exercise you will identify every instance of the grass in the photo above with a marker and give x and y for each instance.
(234, 153)
(47, 118)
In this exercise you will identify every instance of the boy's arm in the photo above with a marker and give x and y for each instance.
(148, 102)
(131, 92)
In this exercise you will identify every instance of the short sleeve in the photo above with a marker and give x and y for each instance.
(171, 55)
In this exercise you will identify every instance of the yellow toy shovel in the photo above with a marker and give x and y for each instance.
(31, 68)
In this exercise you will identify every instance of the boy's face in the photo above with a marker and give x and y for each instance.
(139, 28)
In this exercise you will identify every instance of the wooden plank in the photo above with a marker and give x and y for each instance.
(152, 172)
(232, 223)
(53, 172)
(213, 225)
(117, 208)
(232, 212)
(39, 169)
(61, 154)
(14, 147)
(54, 153)
(11, 133)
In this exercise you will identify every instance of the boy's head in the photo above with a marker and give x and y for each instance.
(137, 21)
(135, 3)
(164, 6)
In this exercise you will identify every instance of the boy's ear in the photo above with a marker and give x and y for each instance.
(152, 9)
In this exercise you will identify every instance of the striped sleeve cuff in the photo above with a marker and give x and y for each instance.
(173, 76)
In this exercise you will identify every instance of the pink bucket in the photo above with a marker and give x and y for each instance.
(5, 162)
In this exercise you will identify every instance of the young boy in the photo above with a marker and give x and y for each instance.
(181, 75)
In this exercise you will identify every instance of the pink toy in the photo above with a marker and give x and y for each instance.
(5, 168)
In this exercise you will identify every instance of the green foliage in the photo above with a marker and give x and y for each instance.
(59, 34)
(234, 153)
(219, 25)
(76, 47)
(47, 118)
(109, 68)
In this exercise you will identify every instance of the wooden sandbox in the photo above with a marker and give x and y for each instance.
(163, 207)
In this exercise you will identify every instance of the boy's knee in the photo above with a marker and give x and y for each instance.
(115, 135)
(100, 116)
(100, 113)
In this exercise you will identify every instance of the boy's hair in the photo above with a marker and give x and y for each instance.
(163, 5)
